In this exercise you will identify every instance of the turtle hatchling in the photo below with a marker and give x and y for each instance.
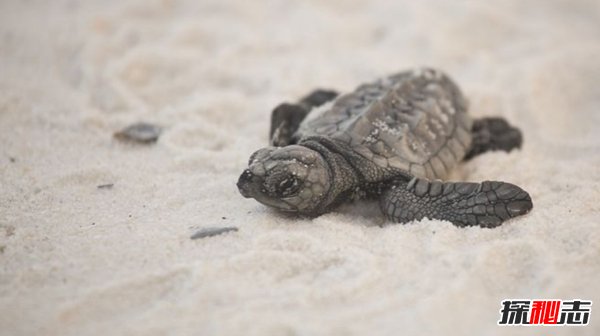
(396, 140)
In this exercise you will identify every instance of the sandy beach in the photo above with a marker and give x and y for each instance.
(76, 259)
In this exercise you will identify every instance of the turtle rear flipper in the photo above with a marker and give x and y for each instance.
(485, 204)
(492, 134)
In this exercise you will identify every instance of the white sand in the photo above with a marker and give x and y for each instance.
(77, 260)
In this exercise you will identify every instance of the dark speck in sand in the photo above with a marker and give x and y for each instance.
(223, 217)
(12, 159)
(9, 230)
(141, 132)
(106, 186)
(212, 231)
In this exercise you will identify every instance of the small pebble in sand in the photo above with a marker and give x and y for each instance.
(212, 231)
(141, 132)
(106, 186)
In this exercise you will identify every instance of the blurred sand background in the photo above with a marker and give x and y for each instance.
(78, 260)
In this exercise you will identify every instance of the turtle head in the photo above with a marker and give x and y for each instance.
(292, 178)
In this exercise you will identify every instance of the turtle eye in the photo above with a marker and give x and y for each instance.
(288, 186)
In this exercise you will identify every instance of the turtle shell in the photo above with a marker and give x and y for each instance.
(414, 121)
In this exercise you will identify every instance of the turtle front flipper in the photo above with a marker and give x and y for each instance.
(492, 134)
(485, 204)
(286, 118)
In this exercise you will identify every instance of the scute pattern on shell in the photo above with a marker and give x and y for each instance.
(414, 121)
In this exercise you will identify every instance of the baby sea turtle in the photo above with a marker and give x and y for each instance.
(394, 139)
